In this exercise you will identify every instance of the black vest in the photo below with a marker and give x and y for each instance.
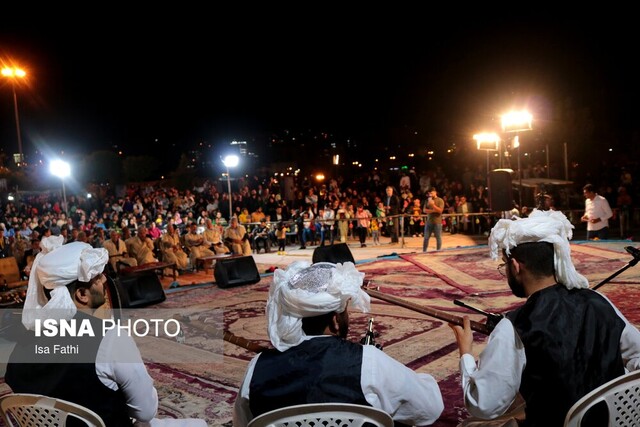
(75, 382)
(318, 370)
(572, 344)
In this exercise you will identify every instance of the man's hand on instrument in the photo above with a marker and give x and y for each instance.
(464, 335)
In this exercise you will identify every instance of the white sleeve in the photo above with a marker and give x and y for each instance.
(241, 410)
(490, 388)
(606, 210)
(629, 342)
(120, 366)
(409, 397)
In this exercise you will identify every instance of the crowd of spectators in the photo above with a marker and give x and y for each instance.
(311, 212)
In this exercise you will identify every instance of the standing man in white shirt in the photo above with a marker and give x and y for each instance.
(596, 214)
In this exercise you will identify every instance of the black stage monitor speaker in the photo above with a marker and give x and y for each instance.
(337, 254)
(140, 290)
(500, 192)
(236, 271)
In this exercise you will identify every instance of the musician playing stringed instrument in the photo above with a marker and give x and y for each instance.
(313, 362)
(565, 340)
(100, 371)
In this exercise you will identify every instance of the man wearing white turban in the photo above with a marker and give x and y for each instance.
(104, 373)
(313, 362)
(563, 342)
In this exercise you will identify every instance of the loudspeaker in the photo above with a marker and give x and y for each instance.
(139, 290)
(500, 192)
(337, 254)
(236, 271)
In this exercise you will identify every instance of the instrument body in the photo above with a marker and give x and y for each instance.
(438, 314)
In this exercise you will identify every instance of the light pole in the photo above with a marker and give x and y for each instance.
(61, 169)
(230, 161)
(488, 142)
(13, 74)
(518, 121)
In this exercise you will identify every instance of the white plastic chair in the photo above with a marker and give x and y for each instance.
(622, 396)
(34, 410)
(323, 414)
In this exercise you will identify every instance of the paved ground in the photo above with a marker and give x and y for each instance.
(411, 244)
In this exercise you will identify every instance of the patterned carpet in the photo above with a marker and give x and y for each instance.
(424, 343)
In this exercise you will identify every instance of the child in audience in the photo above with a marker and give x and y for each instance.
(281, 235)
(375, 231)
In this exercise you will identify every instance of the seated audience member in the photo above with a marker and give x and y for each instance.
(213, 237)
(107, 375)
(244, 216)
(196, 244)
(171, 248)
(260, 237)
(313, 362)
(98, 238)
(25, 231)
(80, 236)
(154, 231)
(236, 237)
(73, 237)
(30, 256)
(117, 250)
(141, 247)
(125, 234)
(565, 340)
(5, 246)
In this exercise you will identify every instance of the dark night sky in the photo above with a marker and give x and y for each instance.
(226, 76)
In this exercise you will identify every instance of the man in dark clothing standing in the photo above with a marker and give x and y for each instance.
(392, 207)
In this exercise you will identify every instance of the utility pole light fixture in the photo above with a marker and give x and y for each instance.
(13, 74)
(489, 142)
(62, 170)
(517, 121)
(230, 161)
(514, 122)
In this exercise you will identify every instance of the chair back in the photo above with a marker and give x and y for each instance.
(34, 410)
(622, 397)
(323, 414)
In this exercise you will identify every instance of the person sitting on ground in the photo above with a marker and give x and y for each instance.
(236, 237)
(118, 256)
(107, 375)
(312, 362)
(565, 340)
(171, 248)
(196, 244)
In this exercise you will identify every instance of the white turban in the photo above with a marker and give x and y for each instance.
(541, 226)
(54, 268)
(305, 290)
